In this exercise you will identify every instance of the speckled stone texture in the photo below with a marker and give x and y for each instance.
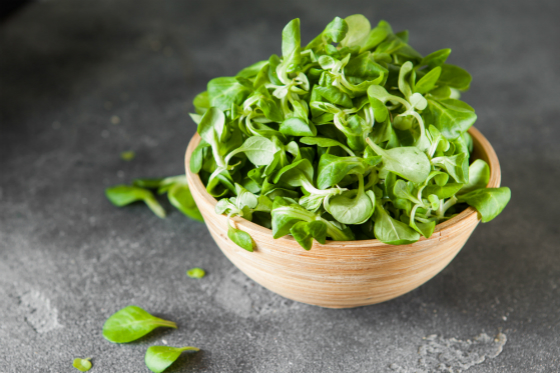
(82, 81)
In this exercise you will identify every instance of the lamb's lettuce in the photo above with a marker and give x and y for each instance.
(355, 134)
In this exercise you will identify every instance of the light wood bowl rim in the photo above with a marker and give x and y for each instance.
(482, 147)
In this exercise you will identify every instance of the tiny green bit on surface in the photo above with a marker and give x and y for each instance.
(132, 323)
(128, 155)
(83, 365)
(196, 273)
(159, 358)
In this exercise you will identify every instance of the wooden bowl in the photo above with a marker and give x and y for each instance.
(342, 274)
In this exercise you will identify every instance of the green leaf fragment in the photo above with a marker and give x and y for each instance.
(180, 196)
(351, 207)
(442, 192)
(196, 273)
(479, 176)
(428, 81)
(132, 323)
(212, 126)
(392, 231)
(451, 117)
(259, 150)
(336, 30)
(291, 39)
(455, 77)
(358, 30)
(333, 169)
(241, 239)
(251, 71)
(148, 183)
(83, 365)
(457, 166)
(302, 235)
(334, 96)
(436, 58)
(159, 358)
(318, 230)
(176, 187)
(425, 229)
(201, 103)
(407, 162)
(225, 91)
(128, 155)
(374, 38)
(489, 202)
(297, 127)
(122, 195)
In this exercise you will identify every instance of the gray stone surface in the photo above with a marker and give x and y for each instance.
(68, 259)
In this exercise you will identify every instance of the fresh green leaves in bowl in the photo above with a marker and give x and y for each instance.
(355, 135)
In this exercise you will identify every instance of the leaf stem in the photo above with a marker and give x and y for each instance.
(420, 123)
(308, 186)
(166, 323)
(413, 213)
(189, 348)
(347, 149)
(156, 208)
(443, 207)
(217, 156)
(376, 148)
(402, 101)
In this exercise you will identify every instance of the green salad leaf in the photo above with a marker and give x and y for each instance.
(131, 323)
(479, 176)
(489, 202)
(176, 187)
(122, 195)
(391, 231)
(159, 358)
(240, 238)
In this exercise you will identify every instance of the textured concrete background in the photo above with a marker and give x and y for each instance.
(69, 259)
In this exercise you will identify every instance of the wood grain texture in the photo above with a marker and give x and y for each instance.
(342, 274)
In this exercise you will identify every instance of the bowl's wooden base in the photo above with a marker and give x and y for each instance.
(346, 281)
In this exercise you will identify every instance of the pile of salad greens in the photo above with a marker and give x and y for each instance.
(355, 136)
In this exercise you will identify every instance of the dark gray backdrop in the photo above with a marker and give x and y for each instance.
(69, 70)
